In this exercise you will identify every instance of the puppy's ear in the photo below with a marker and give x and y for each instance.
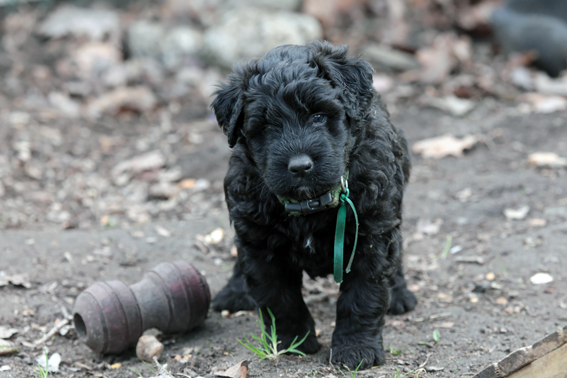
(229, 104)
(353, 76)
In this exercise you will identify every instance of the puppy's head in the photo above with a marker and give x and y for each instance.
(296, 112)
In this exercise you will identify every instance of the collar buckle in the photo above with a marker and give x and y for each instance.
(310, 206)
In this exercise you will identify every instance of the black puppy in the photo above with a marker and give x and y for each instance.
(302, 120)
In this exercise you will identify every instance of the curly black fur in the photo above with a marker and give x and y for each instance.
(314, 101)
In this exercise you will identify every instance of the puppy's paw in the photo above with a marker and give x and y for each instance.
(352, 355)
(231, 300)
(402, 300)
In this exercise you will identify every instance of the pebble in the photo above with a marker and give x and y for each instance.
(541, 278)
(148, 347)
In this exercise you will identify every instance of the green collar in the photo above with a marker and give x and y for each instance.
(337, 196)
(328, 200)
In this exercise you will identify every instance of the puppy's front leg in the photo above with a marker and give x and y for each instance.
(361, 308)
(276, 285)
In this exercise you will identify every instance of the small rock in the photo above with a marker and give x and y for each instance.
(145, 38)
(501, 301)
(163, 231)
(236, 36)
(5, 368)
(148, 347)
(179, 42)
(64, 104)
(541, 278)
(215, 237)
(517, 214)
(91, 22)
(490, 276)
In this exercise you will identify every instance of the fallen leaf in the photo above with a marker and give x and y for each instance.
(452, 105)
(541, 278)
(240, 370)
(7, 348)
(446, 145)
(546, 85)
(442, 56)
(139, 98)
(6, 333)
(140, 163)
(19, 280)
(52, 364)
(538, 222)
(547, 159)
(544, 103)
(163, 232)
(517, 214)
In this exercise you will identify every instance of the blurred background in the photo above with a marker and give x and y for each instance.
(105, 105)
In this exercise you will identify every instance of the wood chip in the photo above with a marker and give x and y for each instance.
(470, 260)
(547, 160)
(445, 145)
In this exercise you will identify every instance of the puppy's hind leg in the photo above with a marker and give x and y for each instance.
(402, 300)
(234, 296)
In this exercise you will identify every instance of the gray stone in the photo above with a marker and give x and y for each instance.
(145, 38)
(249, 33)
(388, 58)
(179, 42)
(290, 5)
(71, 20)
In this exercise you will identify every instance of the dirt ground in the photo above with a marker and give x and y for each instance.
(466, 196)
(72, 215)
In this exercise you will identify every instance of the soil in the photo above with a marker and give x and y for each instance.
(475, 328)
(63, 235)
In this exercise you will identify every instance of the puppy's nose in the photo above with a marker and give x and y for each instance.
(300, 165)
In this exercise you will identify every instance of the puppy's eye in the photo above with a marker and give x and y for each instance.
(319, 119)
